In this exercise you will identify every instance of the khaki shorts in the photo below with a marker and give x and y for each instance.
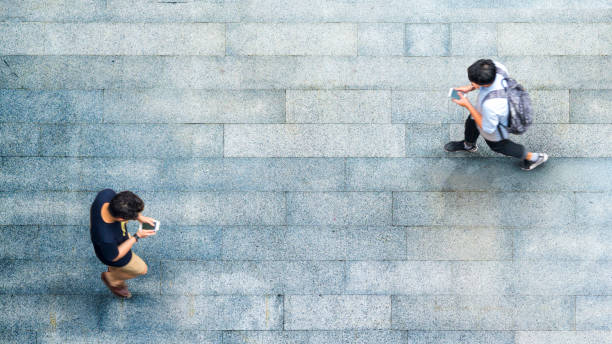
(135, 267)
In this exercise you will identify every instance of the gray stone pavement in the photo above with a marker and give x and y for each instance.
(293, 151)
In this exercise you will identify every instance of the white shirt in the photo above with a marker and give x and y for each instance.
(494, 110)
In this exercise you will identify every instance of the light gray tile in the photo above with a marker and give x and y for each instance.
(19, 139)
(292, 39)
(45, 208)
(592, 209)
(381, 39)
(554, 39)
(196, 312)
(474, 39)
(427, 40)
(337, 312)
(590, 106)
(193, 106)
(459, 244)
(563, 278)
(351, 208)
(482, 313)
(313, 140)
(50, 106)
(593, 312)
(563, 337)
(359, 106)
(551, 106)
(465, 209)
(565, 243)
(218, 11)
(252, 278)
(422, 107)
(315, 337)
(101, 39)
(216, 208)
(451, 337)
(139, 336)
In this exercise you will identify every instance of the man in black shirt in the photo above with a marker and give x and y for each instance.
(109, 215)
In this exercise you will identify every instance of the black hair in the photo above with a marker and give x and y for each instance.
(482, 72)
(126, 205)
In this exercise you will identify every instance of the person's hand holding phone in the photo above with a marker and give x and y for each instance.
(143, 233)
(465, 89)
(145, 219)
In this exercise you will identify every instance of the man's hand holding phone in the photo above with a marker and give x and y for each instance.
(148, 226)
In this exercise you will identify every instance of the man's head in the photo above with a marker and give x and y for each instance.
(125, 206)
(482, 73)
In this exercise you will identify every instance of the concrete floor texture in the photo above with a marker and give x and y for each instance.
(293, 152)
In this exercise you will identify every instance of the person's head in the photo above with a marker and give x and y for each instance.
(482, 73)
(125, 206)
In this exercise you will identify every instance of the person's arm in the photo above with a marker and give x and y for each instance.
(126, 246)
(466, 104)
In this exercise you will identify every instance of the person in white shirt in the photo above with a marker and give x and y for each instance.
(490, 116)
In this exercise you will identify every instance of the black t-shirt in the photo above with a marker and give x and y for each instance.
(106, 237)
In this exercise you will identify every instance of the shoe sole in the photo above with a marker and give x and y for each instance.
(536, 164)
(462, 150)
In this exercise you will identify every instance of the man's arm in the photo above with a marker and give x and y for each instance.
(477, 116)
(126, 246)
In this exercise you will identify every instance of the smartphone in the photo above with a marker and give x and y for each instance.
(454, 94)
(147, 226)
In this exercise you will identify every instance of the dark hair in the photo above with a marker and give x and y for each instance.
(126, 205)
(482, 72)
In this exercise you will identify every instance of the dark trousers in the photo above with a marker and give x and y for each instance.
(505, 147)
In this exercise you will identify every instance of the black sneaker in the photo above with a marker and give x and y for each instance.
(530, 165)
(458, 146)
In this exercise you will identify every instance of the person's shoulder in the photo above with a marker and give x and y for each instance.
(105, 195)
(495, 105)
(101, 233)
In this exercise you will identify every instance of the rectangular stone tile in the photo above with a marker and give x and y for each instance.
(64, 243)
(315, 337)
(33, 173)
(482, 313)
(196, 312)
(451, 337)
(123, 173)
(12, 239)
(290, 72)
(427, 40)
(291, 39)
(563, 278)
(52, 276)
(252, 278)
(255, 174)
(216, 208)
(62, 139)
(474, 39)
(426, 140)
(193, 106)
(45, 208)
(422, 107)
(139, 336)
(593, 313)
(313, 140)
(313, 243)
(554, 39)
(357, 106)
(49, 312)
(51, 106)
(40, 10)
(471, 174)
(350, 208)
(563, 337)
(182, 242)
(101, 39)
(337, 312)
(551, 106)
(565, 243)
(18, 337)
(459, 244)
(398, 278)
(590, 106)
(592, 209)
(425, 11)
(133, 140)
(189, 11)
(465, 209)
(381, 39)
(427, 277)
(18, 139)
